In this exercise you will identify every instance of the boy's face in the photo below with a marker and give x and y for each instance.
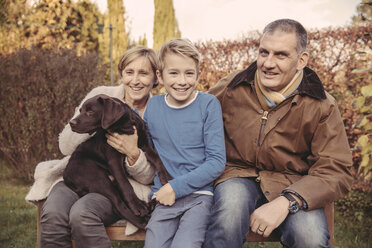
(179, 78)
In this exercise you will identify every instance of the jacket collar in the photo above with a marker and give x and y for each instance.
(310, 84)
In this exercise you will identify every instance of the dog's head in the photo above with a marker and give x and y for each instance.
(100, 111)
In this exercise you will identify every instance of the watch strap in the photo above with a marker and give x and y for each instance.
(294, 206)
(289, 197)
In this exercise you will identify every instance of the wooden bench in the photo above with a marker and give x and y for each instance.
(117, 230)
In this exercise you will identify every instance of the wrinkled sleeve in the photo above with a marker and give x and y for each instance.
(329, 177)
(141, 170)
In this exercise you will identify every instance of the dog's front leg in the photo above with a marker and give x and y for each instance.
(115, 164)
(155, 161)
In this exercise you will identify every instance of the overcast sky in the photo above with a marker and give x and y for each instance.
(228, 19)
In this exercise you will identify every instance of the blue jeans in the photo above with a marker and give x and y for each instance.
(182, 225)
(234, 202)
(65, 215)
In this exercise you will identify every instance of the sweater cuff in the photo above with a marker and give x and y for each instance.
(137, 166)
(174, 183)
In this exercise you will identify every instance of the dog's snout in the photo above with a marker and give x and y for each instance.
(73, 122)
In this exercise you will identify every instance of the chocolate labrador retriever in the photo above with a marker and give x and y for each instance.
(89, 166)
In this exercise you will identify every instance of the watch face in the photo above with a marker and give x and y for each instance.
(293, 207)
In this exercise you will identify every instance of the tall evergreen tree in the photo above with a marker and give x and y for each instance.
(165, 23)
(47, 24)
(142, 41)
(114, 17)
(3, 10)
(88, 16)
(364, 12)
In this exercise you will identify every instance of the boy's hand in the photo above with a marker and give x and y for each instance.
(166, 195)
(125, 144)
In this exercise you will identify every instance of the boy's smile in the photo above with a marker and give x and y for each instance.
(179, 78)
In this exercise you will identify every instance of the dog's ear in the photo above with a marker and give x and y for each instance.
(112, 111)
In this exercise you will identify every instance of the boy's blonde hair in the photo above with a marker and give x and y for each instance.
(136, 52)
(182, 47)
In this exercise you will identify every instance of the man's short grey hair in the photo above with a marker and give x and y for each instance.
(289, 26)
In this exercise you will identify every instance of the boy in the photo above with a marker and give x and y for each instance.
(187, 131)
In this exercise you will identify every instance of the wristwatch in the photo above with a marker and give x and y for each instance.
(293, 204)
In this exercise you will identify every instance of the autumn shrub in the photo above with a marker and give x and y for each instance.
(356, 205)
(39, 91)
(364, 145)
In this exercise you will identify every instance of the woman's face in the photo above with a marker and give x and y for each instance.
(138, 79)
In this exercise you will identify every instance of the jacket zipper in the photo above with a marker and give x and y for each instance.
(262, 128)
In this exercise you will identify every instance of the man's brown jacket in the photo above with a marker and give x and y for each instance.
(300, 145)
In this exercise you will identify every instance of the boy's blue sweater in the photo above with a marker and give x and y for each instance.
(189, 141)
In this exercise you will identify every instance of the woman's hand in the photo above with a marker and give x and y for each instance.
(166, 195)
(125, 144)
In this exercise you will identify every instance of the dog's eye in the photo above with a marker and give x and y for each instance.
(90, 112)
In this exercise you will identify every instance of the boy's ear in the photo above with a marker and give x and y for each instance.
(158, 75)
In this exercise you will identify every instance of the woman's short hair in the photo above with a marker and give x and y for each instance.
(136, 52)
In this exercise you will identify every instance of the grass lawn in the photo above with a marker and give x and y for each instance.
(18, 222)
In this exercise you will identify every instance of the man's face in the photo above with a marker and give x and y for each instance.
(278, 60)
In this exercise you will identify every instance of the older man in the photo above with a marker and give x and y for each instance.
(287, 150)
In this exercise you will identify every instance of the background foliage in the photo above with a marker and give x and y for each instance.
(165, 23)
(51, 23)
(115, 18)
(39, 90)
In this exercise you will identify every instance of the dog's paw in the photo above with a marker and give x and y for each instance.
(164, 178)
(152, 205)
(139, 208)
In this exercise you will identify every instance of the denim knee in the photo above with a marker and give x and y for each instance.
(234, 201)
(305, 229)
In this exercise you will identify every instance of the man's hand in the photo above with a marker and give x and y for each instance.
(269, 216)
(125, 144)
(166, 195)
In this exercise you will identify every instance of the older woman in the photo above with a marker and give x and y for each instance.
(65, 215)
